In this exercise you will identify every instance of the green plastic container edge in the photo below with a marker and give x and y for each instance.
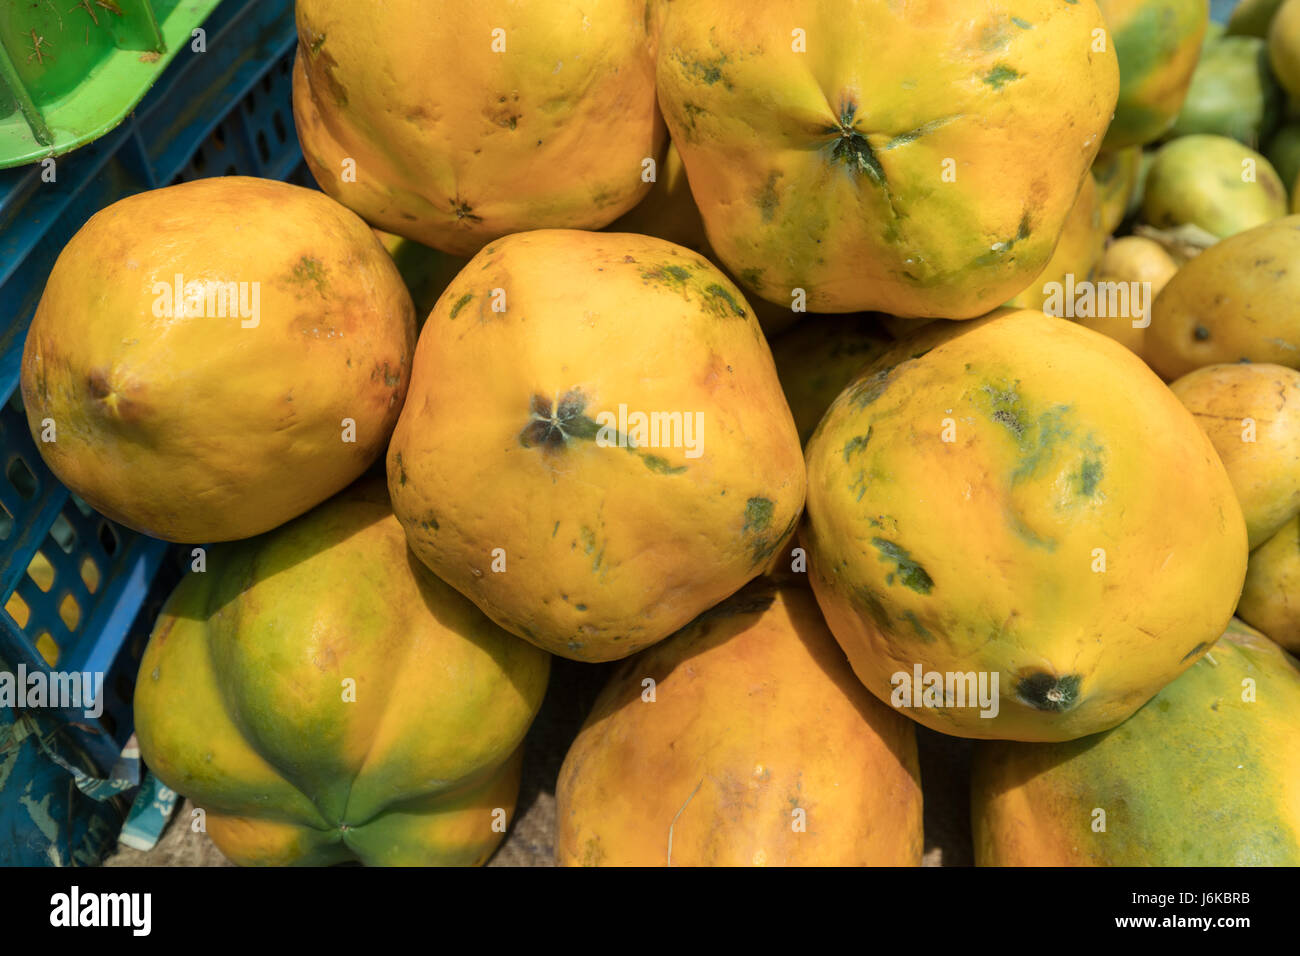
(104, 99)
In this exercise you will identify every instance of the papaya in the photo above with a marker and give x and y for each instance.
(1284, 153)
(456, 123)
(1212, 182)
(1233, 93)
(211, 359)
(1233, 302)
(1077, 251)
(817, 358)
(1158, 43)
(914, 159)
(1251, 413)
(669, 212)
(324, 698)
(1270, 598)
(1284, 47)
(1206, 774)
(1116, 172)
(426, 272)
(1128, 260)
(1252, 17)
(755, 746)
(596, 447)
(984, 506)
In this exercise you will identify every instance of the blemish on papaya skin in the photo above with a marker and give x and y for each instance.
(857, 444)
(910, 574)
(758, 515)
(717, 292)
(767, 199)
(1048, 692)
(1000, 76)
(309, 270)
(461, 303)
(463, 211)
(1194, 652)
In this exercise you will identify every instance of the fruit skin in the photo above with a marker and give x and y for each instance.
(456, 144)
(755, 715)
(1284, 47)
(1116, 173)
(1077, 251)
(1251, 413)
(980, 553)
(1252, 17)
(1158, 43)
(1131, 259)
(239, 706)
(1197, 777)
(203, 428)
(669, 212)
(1233, 302)
(1270, 598)
(817, 358)
(607, 549)
(1198, 179)
(788, 153)
(1233, 93)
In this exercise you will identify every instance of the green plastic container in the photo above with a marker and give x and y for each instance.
(71, 70)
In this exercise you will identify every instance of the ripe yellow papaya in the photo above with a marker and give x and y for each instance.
(1129, 797)
(817, 358)
(596, 447)
(1077, 251)
(1158, 43)
(1235, 301)
(918, 159)
(268, 694)
(1270, 598)
(744, 739)
(984, 500)
(456, 123)
(1251, 413)
(211, 359)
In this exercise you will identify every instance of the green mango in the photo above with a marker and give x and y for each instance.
(1233, 93)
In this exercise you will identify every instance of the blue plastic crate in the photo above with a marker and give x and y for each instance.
(95, 587)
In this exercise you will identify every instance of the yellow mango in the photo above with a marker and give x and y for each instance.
(323, 698)
(913, 158)
(1251, 413)
(216, 357)
(1020, 498)
(1212, 182)
(596, 447)
(458, 122)
(759, 748)
(1236, 301)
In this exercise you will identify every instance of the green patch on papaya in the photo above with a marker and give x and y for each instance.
(662, 466)
(910, 574)
(874, 606)
(463, 301)
(669, 275)
(865, 391)
(1087, 478)
(921, 630)
(309, 270)
(856, 444)
(401, 469)
(758, 515)
(1049, 692)
(1023, 24)
(752, 278)
(768, 199)
(708, 72)
(1000, 76)
(720, 300)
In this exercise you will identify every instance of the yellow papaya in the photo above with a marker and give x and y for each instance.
(757, 747)
(1233, 302)
(1077, 251)
(457, 123)
(211, 359)
(596, 447)
(985, 505)
(1251, 413)
(918, 159)
(268, 694)
(1158, 43)
(1270, 598)
(817, 358)
(1128, 797)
